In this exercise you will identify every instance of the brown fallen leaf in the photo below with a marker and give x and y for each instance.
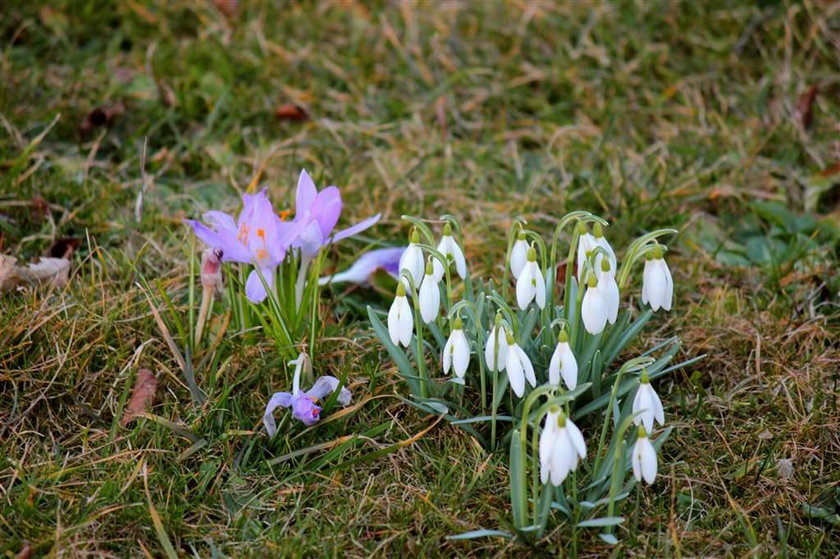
(55, 271)
(805, 106)
(291, 112)
(142, 396)
(101, 116)
(25, 551)
(39, 209)
(64, 247)
(229, 8)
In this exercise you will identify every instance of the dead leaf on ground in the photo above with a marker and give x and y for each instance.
(142, 396)
(229, 8)
(102, 116)
(805, 106)
(64, 247)
(55, 271)
(39, 209)
(291, 112)
(25, 551)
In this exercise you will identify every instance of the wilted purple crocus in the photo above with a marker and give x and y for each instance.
(257, 237)
(303, 404)
(387, 259)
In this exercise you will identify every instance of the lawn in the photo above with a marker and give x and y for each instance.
(121, 119)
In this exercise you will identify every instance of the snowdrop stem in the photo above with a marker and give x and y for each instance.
(636, 252)
(617, 477)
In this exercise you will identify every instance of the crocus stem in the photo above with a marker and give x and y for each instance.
(301, 279)
(203, 311)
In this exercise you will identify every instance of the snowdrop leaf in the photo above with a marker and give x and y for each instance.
(473, 534)
(600, 522)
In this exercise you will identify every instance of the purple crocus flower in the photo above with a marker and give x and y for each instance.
(303, 405)
(317, 213)
(387, 259)
(257, 237)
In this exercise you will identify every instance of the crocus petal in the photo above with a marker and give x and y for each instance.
(325, 386)
(305, 410)
(232, 249)
(326, 209)
(306, 193)
(355, 229)
(277, 400)
(220, 221)
(362, 269)
(518, 257)
(429, 299)
(254, 288)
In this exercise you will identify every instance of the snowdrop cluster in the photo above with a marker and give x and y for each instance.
(550, 346)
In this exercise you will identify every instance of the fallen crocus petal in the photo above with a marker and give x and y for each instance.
(303, 405)
(362, 270)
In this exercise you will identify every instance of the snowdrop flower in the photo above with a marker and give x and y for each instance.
(561, 447)
(519, 368)
(609, 289)
(593, 309)
(429, 295)
(496, 348)
(362, 270)
(657, 284)
(400, 320)
(448, 246)
(518, 254)
(644, 458)
(563, 363)
(530, 283)
(587, 243)
(257, 237)
(456, 352)
(648, 403)
(412, 262)
(302, 403)
(601, 241)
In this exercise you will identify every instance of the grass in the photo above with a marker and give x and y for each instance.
(689, 115)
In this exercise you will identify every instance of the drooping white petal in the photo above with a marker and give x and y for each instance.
(429, 298)
(461, 353)
(518, 257)
(495, 356)
(554, 367)
(458, 256)
(668, 295)
(586, 244)
(515, 371)
(526, 286)
(449, 247)
(609, 287)
(593, 310)
(406, 322)
(394, 321)
(646, 280)
(526, 365)
(644, 460)
(448, 349)
(563, 363)
(602, 242)
(658, 410)
(540, 287)
(412, 262)
(576, 438)
(547, 440)
(643, 405)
